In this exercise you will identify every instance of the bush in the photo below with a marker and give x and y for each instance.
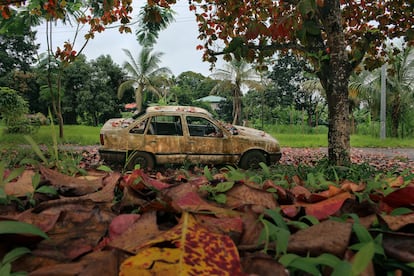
(13, 109)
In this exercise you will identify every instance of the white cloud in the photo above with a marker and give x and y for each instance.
(178, 43)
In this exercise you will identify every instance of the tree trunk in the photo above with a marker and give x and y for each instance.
(237, 107)
(395, 116)
(138, 97)
(335, 77)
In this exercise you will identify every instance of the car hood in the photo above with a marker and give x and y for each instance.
(254, 133)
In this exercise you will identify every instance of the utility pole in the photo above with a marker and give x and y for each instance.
(383, 101)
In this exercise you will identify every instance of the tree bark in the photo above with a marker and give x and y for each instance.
(335, 77)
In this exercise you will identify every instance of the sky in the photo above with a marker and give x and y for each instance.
(178, 43)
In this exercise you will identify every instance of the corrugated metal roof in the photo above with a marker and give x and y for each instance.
(211, 99)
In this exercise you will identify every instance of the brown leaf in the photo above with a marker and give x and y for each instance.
(252, 227)
(241, 195)
(22, 186)
(399, 246)
(130, 241)
(96, 263)
(77, 231)
(185, 198)
(395, 223)
(326, 237)
(263, 265)
(70, 186)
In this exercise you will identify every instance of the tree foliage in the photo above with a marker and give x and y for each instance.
(335, 36)
(142, 72)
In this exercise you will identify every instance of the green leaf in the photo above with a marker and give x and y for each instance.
(363, 258)
(15, 254)
(309, 218)
(18, 227)
(362, 233)
(224, 186)
(46, 190)
(327, 259)
(208, 174)
(265, 169)
(35, 180)
(306, 265)
(220, 198)
(287, 259)
(277, 218)
(401, 211)
(104, 168)
(342, 268)
(5, 269)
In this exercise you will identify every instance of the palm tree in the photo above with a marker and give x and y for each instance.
(401, 86)
(151, 20)
(141, 72)
(236, 74)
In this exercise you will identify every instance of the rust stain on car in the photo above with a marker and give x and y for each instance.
(178, 134)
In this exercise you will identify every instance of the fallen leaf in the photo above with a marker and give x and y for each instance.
(130, 241)
(403, 197)
(326, 237)
(395, 223)
(69, 185)
(325, 208)
(186, 249)
(263, 265)
(22, 186)
(138, 180)
(241, 195)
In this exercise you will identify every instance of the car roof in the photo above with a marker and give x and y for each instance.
(178, 109)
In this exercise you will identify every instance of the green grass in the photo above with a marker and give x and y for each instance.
(87, 135)
(357, 141)
(73, 134)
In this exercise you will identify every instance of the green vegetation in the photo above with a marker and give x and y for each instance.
(75, 134)
(290, 136)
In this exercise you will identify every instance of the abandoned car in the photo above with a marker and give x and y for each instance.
(183, 134)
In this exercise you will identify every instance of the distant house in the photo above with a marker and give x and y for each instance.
(212, 100)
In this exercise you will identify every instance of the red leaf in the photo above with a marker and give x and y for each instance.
(401, 197)
(137, 180)
(328, 207)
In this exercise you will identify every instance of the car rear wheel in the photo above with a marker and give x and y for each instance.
(252, 159)
(143, 159)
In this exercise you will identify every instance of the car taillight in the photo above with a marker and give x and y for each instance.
(101, 138)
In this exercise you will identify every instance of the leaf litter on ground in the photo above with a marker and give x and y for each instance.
(146, 223)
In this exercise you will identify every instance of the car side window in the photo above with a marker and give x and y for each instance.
(165, 125)
(139, 128)
(198, 126)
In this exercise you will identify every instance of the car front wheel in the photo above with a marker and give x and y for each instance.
(252, 159)
(143, 159)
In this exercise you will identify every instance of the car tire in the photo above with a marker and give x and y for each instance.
(143, 159)
(252, 159)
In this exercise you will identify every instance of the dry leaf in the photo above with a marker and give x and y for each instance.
(186, 249)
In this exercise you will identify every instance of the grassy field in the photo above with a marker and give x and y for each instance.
(86, 135)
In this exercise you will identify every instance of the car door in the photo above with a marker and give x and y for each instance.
(207, 141)
(164, 138)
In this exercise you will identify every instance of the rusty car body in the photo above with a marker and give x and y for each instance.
(183, 134)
